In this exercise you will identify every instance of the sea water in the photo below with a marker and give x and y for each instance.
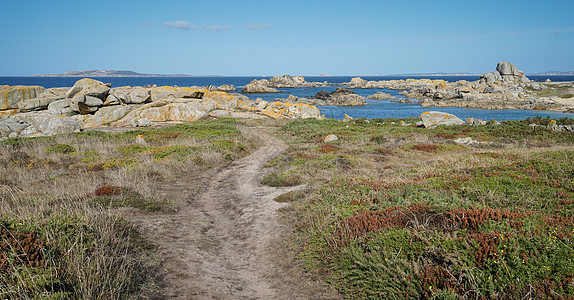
(374, 109)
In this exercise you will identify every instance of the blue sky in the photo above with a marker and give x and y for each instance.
(285, 37)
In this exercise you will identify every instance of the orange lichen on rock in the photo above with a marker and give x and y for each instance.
(11, 95)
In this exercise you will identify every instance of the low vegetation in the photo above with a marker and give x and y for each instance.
(63, 198)
(389, 211)
(404, 212)
(556, 90)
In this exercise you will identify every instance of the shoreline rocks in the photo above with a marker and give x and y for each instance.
(36, 111)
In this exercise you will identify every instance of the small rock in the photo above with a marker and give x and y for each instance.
(330, 138)
(143, 122)
(380, 96)
(140, 140)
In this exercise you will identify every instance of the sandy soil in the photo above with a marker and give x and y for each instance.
(226, 242)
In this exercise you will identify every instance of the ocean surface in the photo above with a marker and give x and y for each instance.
(375, 109)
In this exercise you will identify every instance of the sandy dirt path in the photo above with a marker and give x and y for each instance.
(225, 242)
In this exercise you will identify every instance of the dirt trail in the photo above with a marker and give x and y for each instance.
(225, 241)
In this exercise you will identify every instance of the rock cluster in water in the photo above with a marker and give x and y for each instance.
(505, 88)
(36, 111)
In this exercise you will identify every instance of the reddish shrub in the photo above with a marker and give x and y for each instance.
(435, 278)
(426, 148)
(327, 148)
(473, 218)
(27, 247)
(416, 215)
(487, 246)
(109, 190)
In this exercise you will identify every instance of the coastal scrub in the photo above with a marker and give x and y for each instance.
(404, 212)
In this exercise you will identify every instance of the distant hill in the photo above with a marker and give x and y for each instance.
(109, 73)
(554, 73)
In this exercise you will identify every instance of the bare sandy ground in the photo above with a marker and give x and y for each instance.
(226, 242)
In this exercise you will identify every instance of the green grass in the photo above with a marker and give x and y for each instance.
(60, 148)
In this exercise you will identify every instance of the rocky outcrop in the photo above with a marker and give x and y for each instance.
(341, 97)
(287, 81)
(381, 96)
(280, 110)
(258, 86)
(39, 103)
(128, 95)
(432, 119)
(36, 124)
(88, 95)
(505, 88)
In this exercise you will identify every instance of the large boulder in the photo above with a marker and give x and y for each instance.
(505, 68)
(10, 96)
(87, 95)
(258, 86)
(61, 107)
(129, 95)
(179, 110)
(43, 123)
(107, 115)
(82, 84)
(85, 104)
(491, 77)
(12, 127)
(341, 97)
(432, 119)
(281, 110)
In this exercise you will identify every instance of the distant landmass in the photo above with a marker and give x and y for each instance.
(110, 73)
(554, 73)
(437, 74)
